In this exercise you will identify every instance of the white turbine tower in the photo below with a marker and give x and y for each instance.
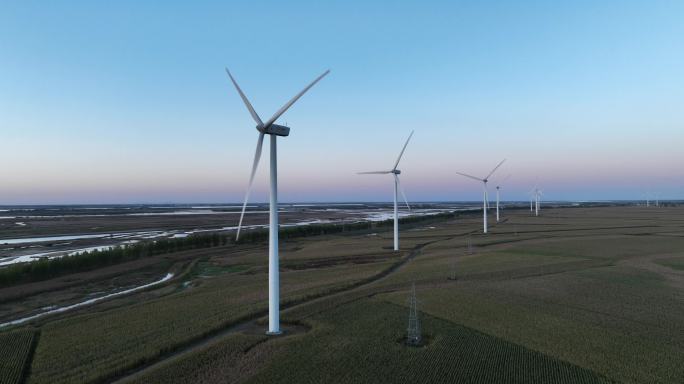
(537, 195)
(274, 130)
(397, 187)
(498, 187)
(531, 198)
(486, 196)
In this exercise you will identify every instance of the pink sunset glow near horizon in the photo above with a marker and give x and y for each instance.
(114, 103)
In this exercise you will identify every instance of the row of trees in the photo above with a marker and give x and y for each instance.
(44, 269)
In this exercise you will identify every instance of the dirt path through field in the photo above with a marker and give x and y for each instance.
(366, 284)
(192, 347)
(673, 277)
(251, 323)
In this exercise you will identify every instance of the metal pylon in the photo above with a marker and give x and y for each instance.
(414, 336)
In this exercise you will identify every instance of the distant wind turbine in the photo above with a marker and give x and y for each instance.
(486, 196)
(651, 197)
(498, 187)
(397, 187)
(274, 130)
(531, 201)
(537, 196)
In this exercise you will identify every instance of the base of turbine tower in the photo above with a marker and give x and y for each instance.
(276, 333)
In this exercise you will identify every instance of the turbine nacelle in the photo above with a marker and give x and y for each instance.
(274, 129)
(396, 171)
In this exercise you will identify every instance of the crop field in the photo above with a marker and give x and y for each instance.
(363, 342)
(675, 263)
(227, 361)
(577, 295)
(15, 350)
(125, 336)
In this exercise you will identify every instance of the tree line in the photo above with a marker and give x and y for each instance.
(45, 268)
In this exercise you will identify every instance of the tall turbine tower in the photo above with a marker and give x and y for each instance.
(537, 196)
(531, 198)
(274, 130)
(498, 187)
(486, 196)
(397, 187)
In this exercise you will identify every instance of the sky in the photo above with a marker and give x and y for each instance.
(128, 101)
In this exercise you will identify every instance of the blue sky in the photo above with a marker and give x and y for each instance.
(128, 101)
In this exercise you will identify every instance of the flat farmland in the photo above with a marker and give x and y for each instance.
(576, 295)
(15, 355)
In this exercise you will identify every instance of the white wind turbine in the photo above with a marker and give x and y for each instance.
(531, 198)
(397, 187)
(537, 196)
(486, 195)
(498, 187)
(274, 130)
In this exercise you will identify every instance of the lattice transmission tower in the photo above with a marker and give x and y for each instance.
(414, 336)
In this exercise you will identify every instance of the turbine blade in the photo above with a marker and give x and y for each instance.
(472, 177)
(403, 194)
(292, 101)
(245, 100)
(373, 173)
(494, 170)
(402, 151)
(257, 156)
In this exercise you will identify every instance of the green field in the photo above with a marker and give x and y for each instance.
(675, 263)
(575, 295)
(15, 351)
(363, 342)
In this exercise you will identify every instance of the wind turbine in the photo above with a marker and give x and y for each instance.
(498, 187)
(537, 195)
(397, 187)
(270, 128)
(652, 199)
(486, 196)
(531, 198)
